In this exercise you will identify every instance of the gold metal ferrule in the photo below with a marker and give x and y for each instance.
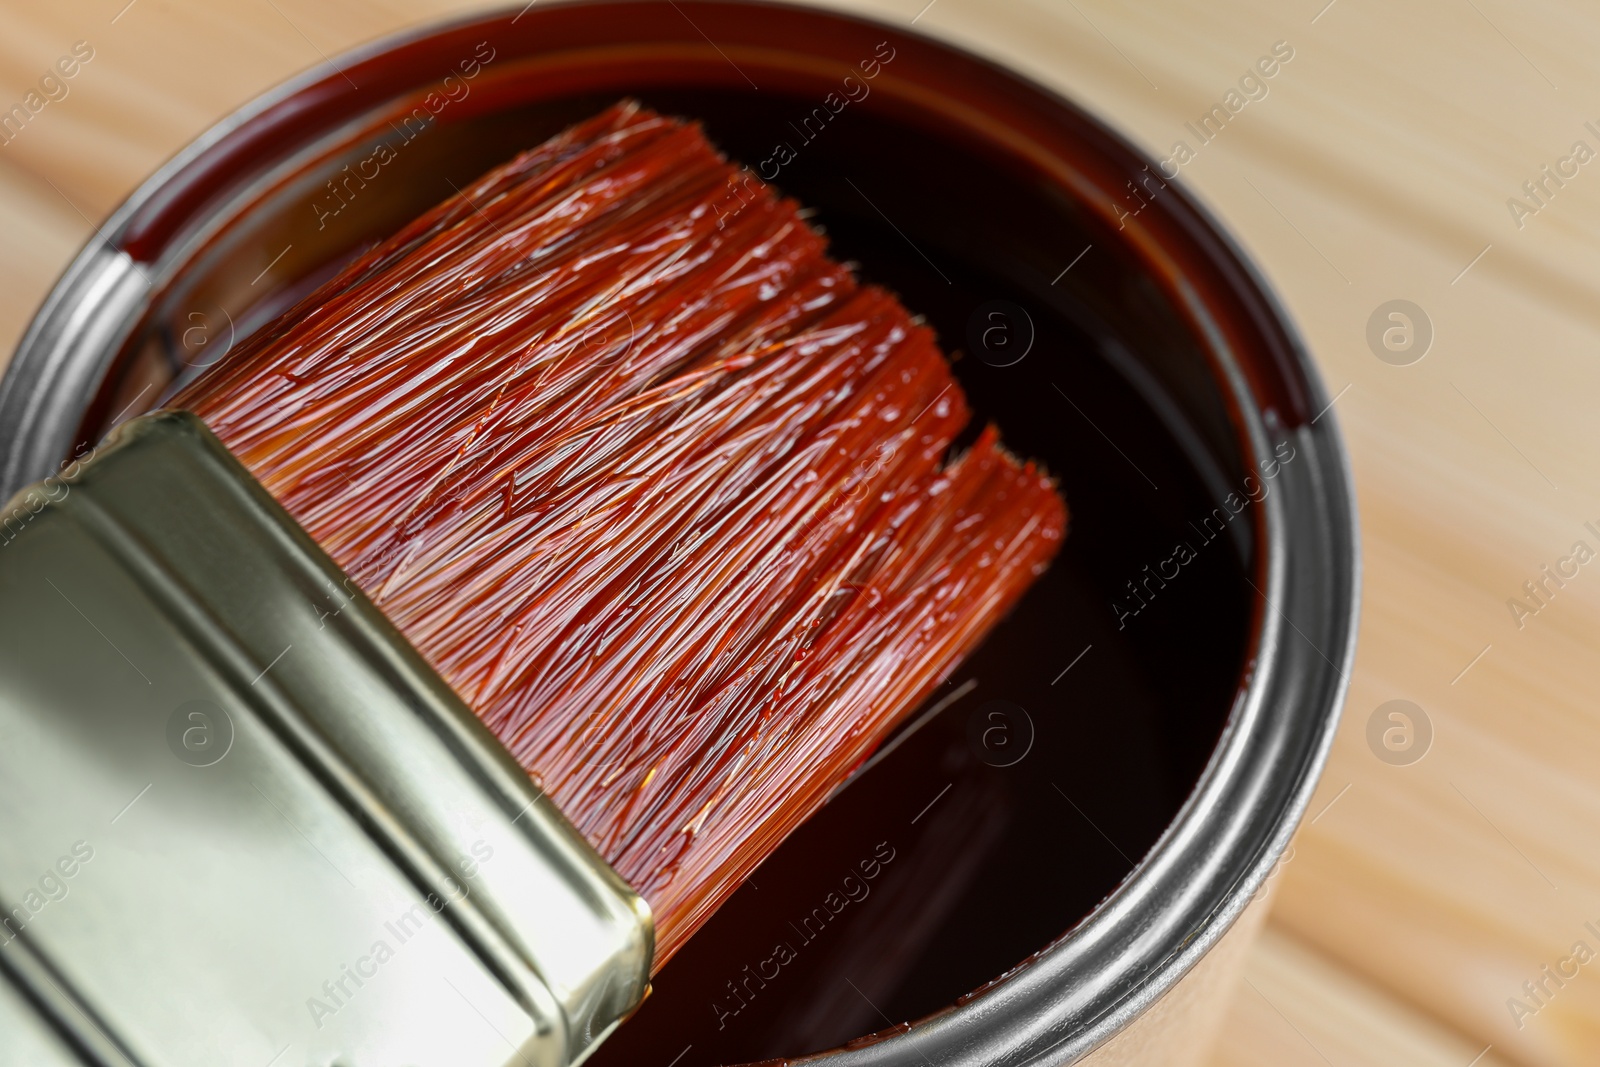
(244, 822)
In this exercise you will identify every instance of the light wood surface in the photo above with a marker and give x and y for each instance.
(1295, 1008)
(1378, 166)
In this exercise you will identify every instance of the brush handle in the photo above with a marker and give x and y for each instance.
(285, 834)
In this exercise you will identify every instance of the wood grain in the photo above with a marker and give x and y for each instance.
(1296, 1008)
(1378, 166)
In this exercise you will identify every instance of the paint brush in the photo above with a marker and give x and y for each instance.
(605, 450)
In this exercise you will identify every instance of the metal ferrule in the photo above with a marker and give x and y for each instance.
(245, 822)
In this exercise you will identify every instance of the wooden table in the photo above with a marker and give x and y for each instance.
(1377, 166)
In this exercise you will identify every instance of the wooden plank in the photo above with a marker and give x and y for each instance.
(42, 234)
(1296, 1008)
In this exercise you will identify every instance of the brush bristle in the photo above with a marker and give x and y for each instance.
(660, 490)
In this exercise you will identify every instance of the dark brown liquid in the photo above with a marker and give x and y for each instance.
(990, 863)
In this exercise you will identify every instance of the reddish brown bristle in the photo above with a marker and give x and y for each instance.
(658, 488)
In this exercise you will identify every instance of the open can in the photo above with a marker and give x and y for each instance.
(1172, 688)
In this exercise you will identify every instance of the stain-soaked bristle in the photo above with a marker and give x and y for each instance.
(662, 491)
